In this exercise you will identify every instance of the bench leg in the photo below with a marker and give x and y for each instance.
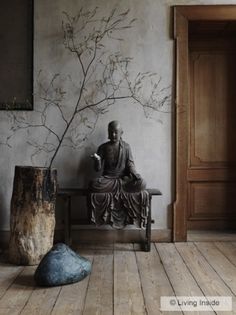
(147, 245)
(67, 229)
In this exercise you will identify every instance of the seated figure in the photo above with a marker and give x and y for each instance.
(118, 196)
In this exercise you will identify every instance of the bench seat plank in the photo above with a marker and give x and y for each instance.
(68, 192)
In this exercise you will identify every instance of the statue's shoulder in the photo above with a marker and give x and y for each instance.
(125, 144)
(103, 146)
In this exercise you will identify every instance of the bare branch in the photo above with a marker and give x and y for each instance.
(104, 79)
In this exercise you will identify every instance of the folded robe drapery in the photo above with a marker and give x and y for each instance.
(118, 207)
(118, 197)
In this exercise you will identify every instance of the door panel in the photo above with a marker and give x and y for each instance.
(204, 29)
(212, 146)
(212, 108)
(212, 200)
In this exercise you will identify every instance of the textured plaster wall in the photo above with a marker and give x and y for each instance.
(151, 45)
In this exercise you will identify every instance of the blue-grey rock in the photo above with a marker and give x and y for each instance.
(61, 265)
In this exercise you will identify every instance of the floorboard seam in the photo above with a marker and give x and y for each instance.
(166, 273)
(140, 280)
(192, 274)
(233, 294)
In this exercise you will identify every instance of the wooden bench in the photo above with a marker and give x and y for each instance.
(68, 192)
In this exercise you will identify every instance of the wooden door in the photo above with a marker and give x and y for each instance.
(205, 118)
(212, 126)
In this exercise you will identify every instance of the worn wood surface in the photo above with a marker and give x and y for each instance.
(99, 297)
(71, 298)
(207, 278)
(128, 297)
(154, 280)
(211, 236)
(211, 145)
(181, 103)
(183, 16)
(125, 280)
(17, 295)
(8, 274)
(222, 265)
(32, 219)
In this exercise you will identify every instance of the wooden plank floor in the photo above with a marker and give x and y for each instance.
(126, 281)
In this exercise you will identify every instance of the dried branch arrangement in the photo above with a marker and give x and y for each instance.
(104, 78)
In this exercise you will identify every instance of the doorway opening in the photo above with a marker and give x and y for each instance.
(205, 119)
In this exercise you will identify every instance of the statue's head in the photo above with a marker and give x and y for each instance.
(114, 131)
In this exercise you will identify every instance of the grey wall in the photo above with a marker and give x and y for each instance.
(150, 44)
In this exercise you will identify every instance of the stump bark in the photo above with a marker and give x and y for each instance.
(32, 218)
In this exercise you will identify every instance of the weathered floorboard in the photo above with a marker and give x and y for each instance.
(154, 280)
(8, 274)
(125, 281)
(179, 275)
(228, 249)
(99, 298)
(41, 301)
(128, 296)
(207, 278)
(18, 294)
(72, 297)
(225, 269)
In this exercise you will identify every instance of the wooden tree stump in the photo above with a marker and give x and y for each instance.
(32, 219)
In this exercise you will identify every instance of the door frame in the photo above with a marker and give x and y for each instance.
(182, 15)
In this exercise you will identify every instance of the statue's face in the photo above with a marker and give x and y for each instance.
(114, 133)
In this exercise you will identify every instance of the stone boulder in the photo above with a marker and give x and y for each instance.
(61, 265)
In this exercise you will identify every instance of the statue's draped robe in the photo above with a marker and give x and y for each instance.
(118, 198)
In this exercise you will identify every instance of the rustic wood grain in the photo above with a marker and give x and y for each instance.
(228, 249)
(71, 298)
(18, 293)
(178, 272)
(221, 264)
(154, 280)
(207, 278)
(126, 281)
(99, 298)
(8, 274)
(41, 301)
(128, 296)
(32, 217)
(183, 16)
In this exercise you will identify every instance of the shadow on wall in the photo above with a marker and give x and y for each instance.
(170, 216)
(2, 214)
(4, 234)
(85, 169)
(76, 174)
(81, 176)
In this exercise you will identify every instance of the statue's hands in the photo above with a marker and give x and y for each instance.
(136, 176)
(95, 157)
